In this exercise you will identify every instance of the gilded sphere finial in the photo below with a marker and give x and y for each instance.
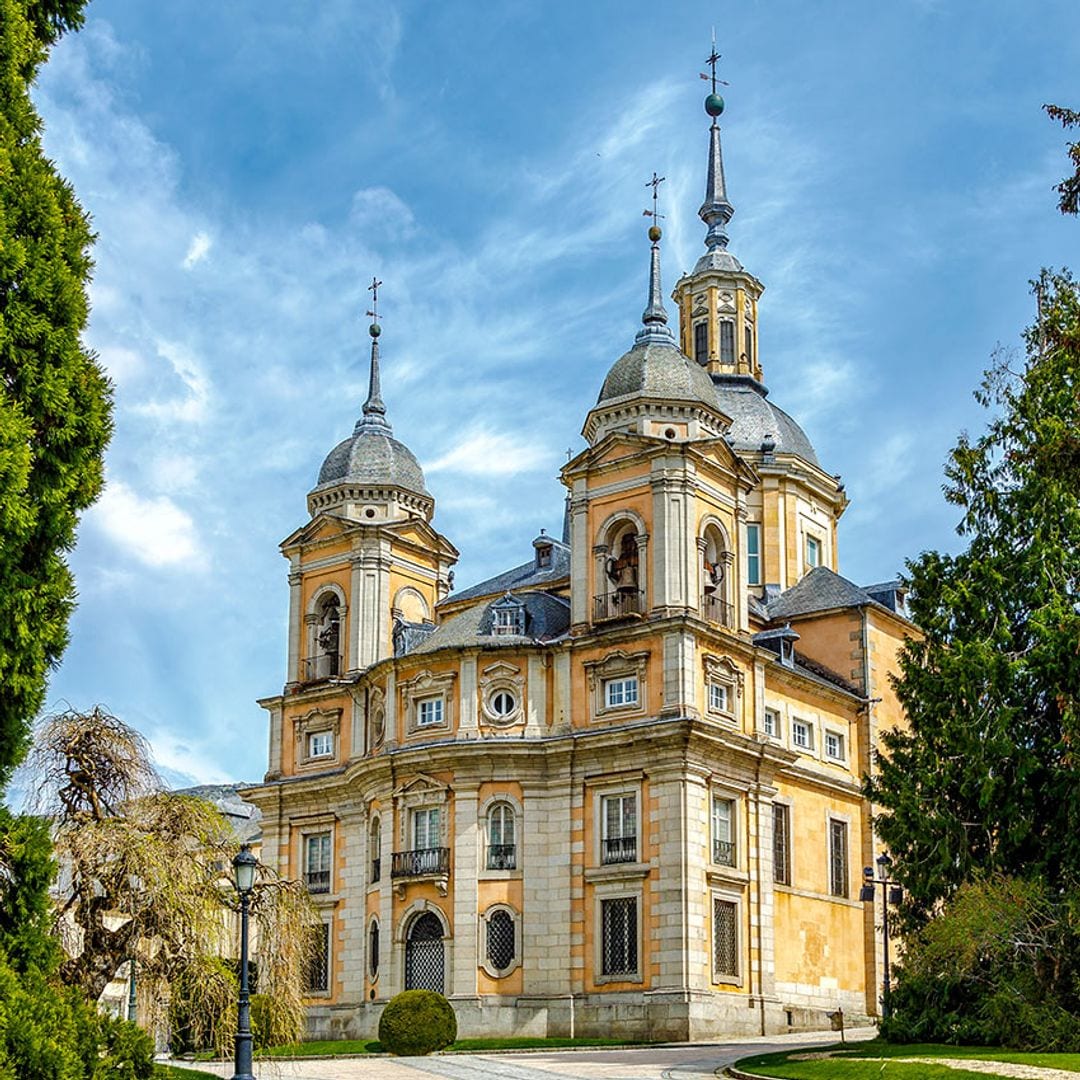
(374, 329)
(714, 105)
(655, 233)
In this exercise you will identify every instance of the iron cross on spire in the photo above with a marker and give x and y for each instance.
(373, 288)
(712, 59)
(654, 183)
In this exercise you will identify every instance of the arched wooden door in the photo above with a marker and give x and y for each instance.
(424, 956)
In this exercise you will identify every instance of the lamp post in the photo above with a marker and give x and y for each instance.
(890, 894)
(132, 1009)
(244, 866)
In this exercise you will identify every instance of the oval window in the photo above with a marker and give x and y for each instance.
(503, 703)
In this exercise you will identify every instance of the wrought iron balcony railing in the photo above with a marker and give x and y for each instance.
(317, 880)
(718, 610)
(620, 849)
(723, 852)
(502, 857)
(322, 666)
(617, 605)
(435, 860)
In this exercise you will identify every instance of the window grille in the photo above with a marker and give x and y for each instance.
(838, 858)
(318, 974)
(781, 844)
(500, 940)
(424, 960)
(725, 939)
(373, 949)
(701, 342)
(619, 936)
(727, 342)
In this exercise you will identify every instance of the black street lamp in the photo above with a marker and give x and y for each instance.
(244, 866)
(132, 1011)
(890, 894)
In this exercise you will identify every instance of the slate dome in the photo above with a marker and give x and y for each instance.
(754, 418)
(374, 458)
(658, 370)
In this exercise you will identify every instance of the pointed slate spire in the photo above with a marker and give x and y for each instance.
(715, 211)
(655, 317)
(374, 418)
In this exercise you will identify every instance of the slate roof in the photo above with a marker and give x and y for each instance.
(526, 576)
(374, 458)
(245, 818)
(754, 417)
(819, 590)
(546, 617)
(658, 370)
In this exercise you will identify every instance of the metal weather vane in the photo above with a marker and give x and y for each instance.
(712, 59)
(373, 288)
(654, 183)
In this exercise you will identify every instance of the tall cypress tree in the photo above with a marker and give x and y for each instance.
(987, 777)
(55, 401)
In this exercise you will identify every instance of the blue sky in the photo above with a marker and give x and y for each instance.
(249, 167)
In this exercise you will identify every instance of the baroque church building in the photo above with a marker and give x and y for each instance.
(615, 789)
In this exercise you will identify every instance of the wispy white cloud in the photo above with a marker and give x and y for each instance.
(190, 406)
(153, 530)
(491, 453)
(198, 249)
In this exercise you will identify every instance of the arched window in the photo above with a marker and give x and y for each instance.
(375, 847)
(621, 593)
(502, 845)
(424, 957)
(715, 587)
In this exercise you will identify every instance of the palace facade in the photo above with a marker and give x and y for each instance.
(615, 789)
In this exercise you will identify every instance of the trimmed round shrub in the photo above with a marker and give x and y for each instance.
(417, 1022)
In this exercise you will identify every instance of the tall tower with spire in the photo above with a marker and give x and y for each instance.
(718, 301)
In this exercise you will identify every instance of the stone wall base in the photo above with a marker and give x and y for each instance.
(651, 1015)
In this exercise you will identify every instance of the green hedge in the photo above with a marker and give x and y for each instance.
(417, 1022)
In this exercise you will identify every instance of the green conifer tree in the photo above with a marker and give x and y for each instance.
(55, 401)
(987, 777)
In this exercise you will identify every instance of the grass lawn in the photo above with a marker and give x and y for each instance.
(174, 1072)
(341, 1047)
(850, 1063)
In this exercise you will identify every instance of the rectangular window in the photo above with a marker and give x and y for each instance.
(725, 939)
(429, 712)
(619, 693)
(813, 552)
(321, 744)
(753, 554)
(317, 862)
(701, 342)
(508, 619)
(834, 745)
(619, 828)
(718, 697)
(318, 973)
(781, 844)
(618, 934)
(727, 342)
(802, 735)
(426, 833)
(838, 858)
(723, 831)
(748, 341)
(771, 723)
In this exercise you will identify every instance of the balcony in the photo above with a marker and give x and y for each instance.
(323, 666)
(723, 852)
(718, 610)
(317, 881)
(423, 862)
(619, 849)
(618, 605)
(502, 857)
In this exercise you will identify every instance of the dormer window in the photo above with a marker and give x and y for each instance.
(508, 615)
(543, 556)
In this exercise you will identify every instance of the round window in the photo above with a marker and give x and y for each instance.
(503, 703)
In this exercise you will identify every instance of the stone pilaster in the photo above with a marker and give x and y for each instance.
(292, 669)
(351, 880)
(696, 853)
(579, 556)
(462, 982)
(536, 708)
(356, 578)
(467, 700)
(680, 675)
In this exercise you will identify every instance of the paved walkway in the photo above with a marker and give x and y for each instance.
(697, 1062)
